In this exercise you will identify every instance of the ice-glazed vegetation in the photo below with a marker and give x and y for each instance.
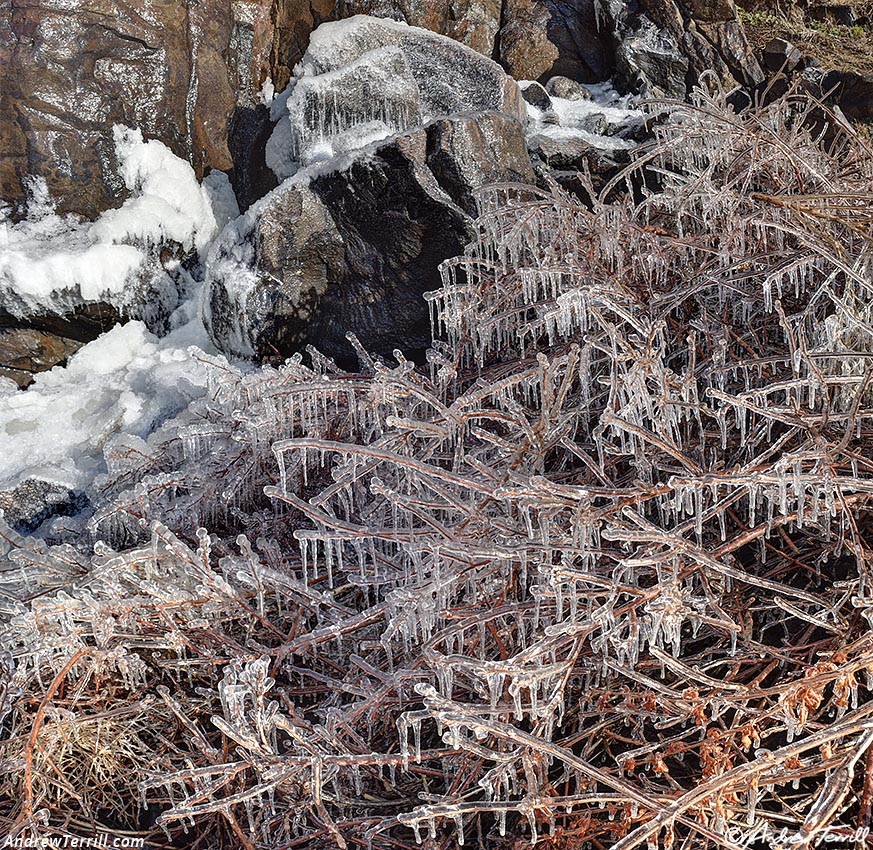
(597, 576)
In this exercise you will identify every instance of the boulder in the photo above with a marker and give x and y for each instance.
(852, 91)
(355, 248)
(659, 42)
(567, 89)
(27, 506)
(781, 55)
(649, 61)
(534, 94)
(366, 78)
(542, 38)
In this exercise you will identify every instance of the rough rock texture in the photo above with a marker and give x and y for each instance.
(71, 70)
(568, 89)
(366, 78)
(852, 91)
(781, 55)
(665, 41)
(25, 351)
(542, 38)
(355, 249)
(34, 501)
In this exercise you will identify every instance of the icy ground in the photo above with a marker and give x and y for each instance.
(601, 121)
(129, 381)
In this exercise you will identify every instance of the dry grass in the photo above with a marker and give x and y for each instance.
(835, 45)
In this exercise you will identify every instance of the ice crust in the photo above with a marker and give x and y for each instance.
(50, 263)
(364, 79)
(126, 381)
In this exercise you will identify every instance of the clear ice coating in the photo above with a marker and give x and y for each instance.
(552, 537)
(363, 79)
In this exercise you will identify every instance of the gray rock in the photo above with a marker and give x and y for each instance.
(649, 61)
(355, 249)
(450, 77)
(782, 55)
(366, 78)
(852, 91)
(567, 89)
(31, 503)
(572, 153)
(537, 96)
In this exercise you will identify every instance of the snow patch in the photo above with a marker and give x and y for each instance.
(126, 381)
(50, 263)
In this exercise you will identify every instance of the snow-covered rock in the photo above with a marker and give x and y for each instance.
(52, 264)
(364, 79)
(126, 381)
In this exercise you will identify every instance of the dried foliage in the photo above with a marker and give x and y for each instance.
(597, 577)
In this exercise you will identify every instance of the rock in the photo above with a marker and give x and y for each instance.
(354, 249)
(366, 78)
(25, 351)
(74, 69)
(781, 55)
(450, 77)
(711, 11)
(542, 38)
(659, 42)
(250, 129)
(570, 153)
(729, 40)
(471, 22)
(852, 91)
(32, 502)
(650, 62)
(469, 151)
(567, 89)
(534, 94)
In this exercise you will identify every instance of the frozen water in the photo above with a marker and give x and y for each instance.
(126, 381)
(364, 79)
(604, 121)
(50, 263)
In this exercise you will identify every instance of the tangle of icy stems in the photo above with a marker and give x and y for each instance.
(599, 574)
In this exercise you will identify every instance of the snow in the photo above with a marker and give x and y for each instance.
(168, 205)
(600, 121)
(50, 263)
(127, 381)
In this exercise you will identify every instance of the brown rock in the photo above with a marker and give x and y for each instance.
(542, 38)
(711, 11)
(73, 70)
(25, 351)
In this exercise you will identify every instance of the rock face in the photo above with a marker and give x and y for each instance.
(25, 351)
(354, 249)
(542, 38)
(72, 70)
(34, 501)
(663, 46)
